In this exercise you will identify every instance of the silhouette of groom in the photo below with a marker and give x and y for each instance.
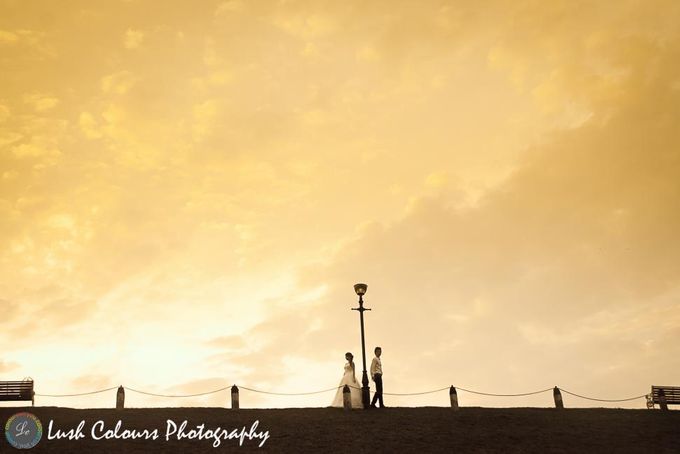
(376, 374)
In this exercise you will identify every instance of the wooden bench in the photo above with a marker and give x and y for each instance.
(664, 396)
(17, 391)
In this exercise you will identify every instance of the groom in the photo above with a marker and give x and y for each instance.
(376, 374)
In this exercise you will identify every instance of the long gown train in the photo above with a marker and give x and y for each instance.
(354, 387)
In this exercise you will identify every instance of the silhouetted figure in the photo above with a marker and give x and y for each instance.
(376, 374)
(349, 378)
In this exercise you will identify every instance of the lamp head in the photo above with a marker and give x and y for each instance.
(360, 289)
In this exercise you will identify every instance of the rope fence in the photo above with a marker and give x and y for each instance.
(76, 395)
(453, 394)
(290, 394)
(605, 400)
(407, 394)
(176, 395)
(505, 395)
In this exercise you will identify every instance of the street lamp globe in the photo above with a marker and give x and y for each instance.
(360, 289)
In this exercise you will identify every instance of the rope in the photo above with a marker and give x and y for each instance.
(462, 389)
(177, 395)
(75, 395)
(289, 394)
(416, 394)
(505, 395)
(335, 388)
(604, 400)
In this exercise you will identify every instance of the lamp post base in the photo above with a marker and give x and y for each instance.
(366, 396)
(365, 392)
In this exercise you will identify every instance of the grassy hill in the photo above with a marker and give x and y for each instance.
(392, 430)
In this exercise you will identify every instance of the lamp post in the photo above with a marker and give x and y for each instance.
(360, 290)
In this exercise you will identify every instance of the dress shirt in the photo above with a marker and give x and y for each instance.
(376, 366)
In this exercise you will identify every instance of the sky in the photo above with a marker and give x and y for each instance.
(188, 193)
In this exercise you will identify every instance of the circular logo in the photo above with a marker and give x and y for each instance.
(23, 430)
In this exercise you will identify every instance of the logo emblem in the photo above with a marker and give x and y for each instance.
(23, 430)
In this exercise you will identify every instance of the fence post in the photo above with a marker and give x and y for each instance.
(453, 395)
(346, 398)
(120, 398)
(662, 400)
(558, 397)
(234, 397)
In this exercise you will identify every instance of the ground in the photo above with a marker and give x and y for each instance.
(392, 430)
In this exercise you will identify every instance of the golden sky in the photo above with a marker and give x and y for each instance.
(188, 192)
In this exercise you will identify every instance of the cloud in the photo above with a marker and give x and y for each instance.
(229, 6)
(118, 83)
(553, 274)
(24, 42)
(205, 115)
(89, 126)
(7, 37)
(504, 178)
(307, 26)
(4, 113)
(8, 138)
(133, 39)
(91, 382)
(44, 310)
(8, 366)
(41, 102)
(35, 149)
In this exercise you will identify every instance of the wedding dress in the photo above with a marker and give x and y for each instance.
(354, 388)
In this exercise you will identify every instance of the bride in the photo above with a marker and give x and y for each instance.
(349, 378)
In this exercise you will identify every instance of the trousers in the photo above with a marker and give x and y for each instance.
(378, 396)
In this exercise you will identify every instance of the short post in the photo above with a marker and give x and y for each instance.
(120, 398)
(346, 398)
(234, 397)
(453, 395)
(558, 397)
(662, 400)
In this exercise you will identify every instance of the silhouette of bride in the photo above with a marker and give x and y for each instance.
(349, 378)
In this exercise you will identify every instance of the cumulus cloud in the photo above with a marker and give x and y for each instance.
(554, 274)
(195, 212)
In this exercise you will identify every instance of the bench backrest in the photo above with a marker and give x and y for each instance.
(672, 394)
(16, 390)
